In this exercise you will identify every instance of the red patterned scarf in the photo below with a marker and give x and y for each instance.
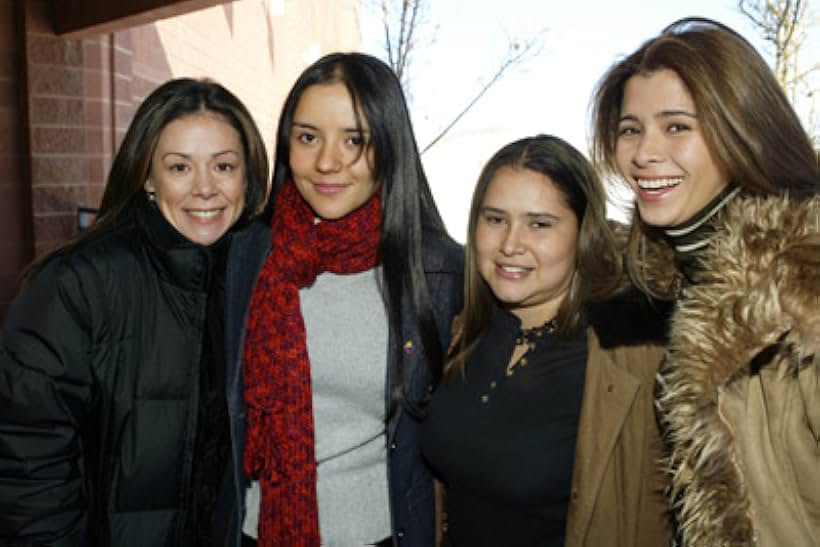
(279, 449)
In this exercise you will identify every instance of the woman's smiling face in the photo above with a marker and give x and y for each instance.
(526, 239)
(661, 150)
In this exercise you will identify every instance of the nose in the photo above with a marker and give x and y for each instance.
(512, 244)
(329, 159)
(205, 183)
(649, 149)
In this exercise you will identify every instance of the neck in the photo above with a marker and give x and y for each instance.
(696, 232)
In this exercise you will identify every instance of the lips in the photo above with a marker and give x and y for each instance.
(329, 188)
(205, 215)
(506, 271)
(650, 184)
(656, 188)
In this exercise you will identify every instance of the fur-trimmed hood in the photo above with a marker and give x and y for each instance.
(756, 307)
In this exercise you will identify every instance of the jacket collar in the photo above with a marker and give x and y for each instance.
(178, 260)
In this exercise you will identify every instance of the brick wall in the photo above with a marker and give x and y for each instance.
(65, 104)
(15, 218)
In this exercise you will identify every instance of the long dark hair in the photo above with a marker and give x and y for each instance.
(172, 100)
(748, 123)
(597, 262)
(408, 208)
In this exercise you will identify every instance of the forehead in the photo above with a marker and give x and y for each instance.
(522, 190)
(658, 90)
(199, 128)
(328, 103)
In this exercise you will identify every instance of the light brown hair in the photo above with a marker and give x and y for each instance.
(597, 267)
(748, 123)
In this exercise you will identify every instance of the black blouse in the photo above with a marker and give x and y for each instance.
(504, 445)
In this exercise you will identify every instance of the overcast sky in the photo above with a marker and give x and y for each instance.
(549, 94)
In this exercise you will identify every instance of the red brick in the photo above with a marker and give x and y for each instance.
(8, 64)
(54, 228)
(119, 135)
(49, 80)
(95, 194)
(95, 53)
(51, 50)
(97, 112)
(7, 24)
(11, 212)
(55, 170)
(122, 40)
(124, 114)
(122, 61)
(95, 140)
(55, 111)
(9, 169)
(122, 87)
(97, 84)
(97, 170)
(8, 94)
(9, 136)
(59, 140)
(58, 199)
(142, 86)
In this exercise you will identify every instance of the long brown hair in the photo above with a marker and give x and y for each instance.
(748, 123)
(129, 170)
(597, 268)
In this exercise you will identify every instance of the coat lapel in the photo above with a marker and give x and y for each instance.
(609, 393)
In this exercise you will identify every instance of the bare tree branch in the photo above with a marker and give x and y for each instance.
(402, 43)
(784, 25)
(516, 53)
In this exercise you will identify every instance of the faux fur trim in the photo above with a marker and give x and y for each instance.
(759, 292)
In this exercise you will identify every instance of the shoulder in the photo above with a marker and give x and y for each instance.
(630, 318)
(77, 288)
(112, 254)
(248, 249)
(760, 226)
(441, 253)
(252, 238)
(764, 241)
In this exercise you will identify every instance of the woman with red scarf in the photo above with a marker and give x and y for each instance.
(342, 305)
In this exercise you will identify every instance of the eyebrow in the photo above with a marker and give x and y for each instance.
(305, 125)
(530, 214)
(661, 114)
(188, 156)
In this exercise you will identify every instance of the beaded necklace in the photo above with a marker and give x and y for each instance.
(530, 338)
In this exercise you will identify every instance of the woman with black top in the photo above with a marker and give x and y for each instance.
(113, 419)
(543, 431)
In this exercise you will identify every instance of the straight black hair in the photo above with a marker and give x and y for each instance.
(408, 208)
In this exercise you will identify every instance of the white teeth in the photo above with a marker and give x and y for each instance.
(513, 269)
(654, 184)
(204, 214)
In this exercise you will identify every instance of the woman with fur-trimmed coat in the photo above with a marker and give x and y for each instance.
(726, 184)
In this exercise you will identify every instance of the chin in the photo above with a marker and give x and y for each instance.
(657, 217)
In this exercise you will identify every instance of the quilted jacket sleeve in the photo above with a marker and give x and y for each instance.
(45, 389)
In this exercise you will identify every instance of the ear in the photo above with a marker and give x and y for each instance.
(149, 185)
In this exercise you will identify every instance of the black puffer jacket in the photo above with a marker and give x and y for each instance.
(99, 391)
